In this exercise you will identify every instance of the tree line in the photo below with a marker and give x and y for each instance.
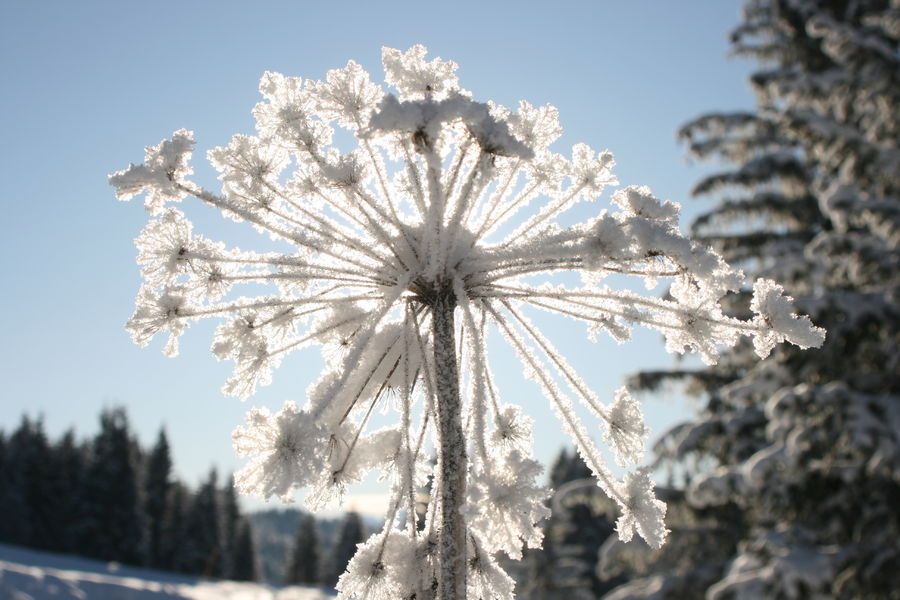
(109, 499)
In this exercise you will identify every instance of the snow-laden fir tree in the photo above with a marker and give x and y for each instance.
(440, 224)
(795, 462)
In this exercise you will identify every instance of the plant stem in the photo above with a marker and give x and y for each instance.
(453, 460)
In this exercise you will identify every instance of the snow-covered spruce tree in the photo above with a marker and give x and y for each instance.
(398, 267)
(795, 462)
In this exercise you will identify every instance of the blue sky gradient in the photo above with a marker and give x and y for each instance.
(87, 85)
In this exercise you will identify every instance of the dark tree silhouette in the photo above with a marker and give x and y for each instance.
(244, 567)
(203, 537)
(157, 489)
(303, 567)
(114, 528)
(351, 533)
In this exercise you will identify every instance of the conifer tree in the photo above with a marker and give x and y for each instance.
(176, 547)
(793, 463)
(202, 530)
(231, 522)
(157, 490)
(303, 566)
(34, 455)
(244, 565)
(68, 479)
(351, 533)
(7, 491)
(114, 528)
(16, 528)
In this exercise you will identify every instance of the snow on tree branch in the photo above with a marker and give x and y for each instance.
(397, 273)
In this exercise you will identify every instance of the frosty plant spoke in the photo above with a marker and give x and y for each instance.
(396, 274)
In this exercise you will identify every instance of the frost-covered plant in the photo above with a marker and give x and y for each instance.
(398, 256)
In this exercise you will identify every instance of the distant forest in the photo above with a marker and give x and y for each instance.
(108, 498)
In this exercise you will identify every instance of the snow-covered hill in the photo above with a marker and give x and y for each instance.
(31, 575)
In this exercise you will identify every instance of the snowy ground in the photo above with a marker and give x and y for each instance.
(31, 575)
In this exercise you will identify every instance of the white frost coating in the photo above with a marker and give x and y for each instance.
(425, 119)
(512, 429)
(378, 570)
(643, 513)
(639, 201)
(647, 228)
(506, 505)
(248, 163)
(347, 95)
(699, 326)
(164, 167)
(777, 321)
(537, 127)
(392, 265)
(154, 313)
(162, 247)
(350, 458)
(591, 171)
(486, 578)
(626, 431)
(414, 77)
(287, 449)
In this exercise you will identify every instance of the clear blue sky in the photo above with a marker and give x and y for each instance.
(86, 85)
